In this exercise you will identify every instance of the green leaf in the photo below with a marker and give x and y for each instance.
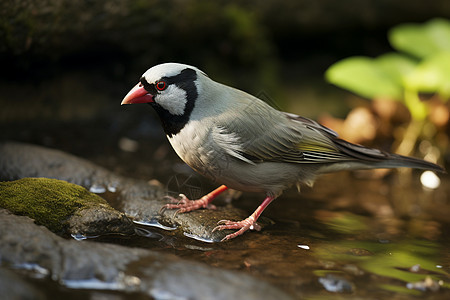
(364, 76)
(431, 76)
(396, 66)
(421, 40)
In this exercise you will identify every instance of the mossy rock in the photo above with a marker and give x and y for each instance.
(62, 207)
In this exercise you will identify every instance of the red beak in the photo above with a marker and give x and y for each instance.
(137, 95)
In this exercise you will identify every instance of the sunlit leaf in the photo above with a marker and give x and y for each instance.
(431, 76)
(364, 76)
(421, 40)
(396, 65)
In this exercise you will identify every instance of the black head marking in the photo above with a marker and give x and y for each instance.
(147, 86)
(172, 124)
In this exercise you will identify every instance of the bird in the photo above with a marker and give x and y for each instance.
(240, 142)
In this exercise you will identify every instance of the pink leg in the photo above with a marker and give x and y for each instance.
(185, 205)
(244, 225)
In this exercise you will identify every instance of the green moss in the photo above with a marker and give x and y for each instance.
(49, 202)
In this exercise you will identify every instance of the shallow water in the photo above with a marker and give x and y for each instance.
(357, 238)
(353, 235)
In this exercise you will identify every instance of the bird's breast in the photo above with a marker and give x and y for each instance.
(195, 147)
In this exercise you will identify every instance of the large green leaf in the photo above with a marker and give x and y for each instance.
(421, 40)
(396, 66)
(431, 76)
(364, 76)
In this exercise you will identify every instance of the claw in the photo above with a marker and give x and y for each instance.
(180, 199)
(186, 205)
(183, 199)
(174, 203)
(223, 222)
(242, 227)
(176, 213)
(216, 228)
(183, 204)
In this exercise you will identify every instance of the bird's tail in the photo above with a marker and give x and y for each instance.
(395, 161)
(368, 158)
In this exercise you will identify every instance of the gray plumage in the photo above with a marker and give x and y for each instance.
(238, 140)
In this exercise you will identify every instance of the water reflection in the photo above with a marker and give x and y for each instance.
(154, 223)
(362, 238)
(198, 238)
(413, 263)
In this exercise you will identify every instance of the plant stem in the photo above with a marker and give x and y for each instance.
(409, 139)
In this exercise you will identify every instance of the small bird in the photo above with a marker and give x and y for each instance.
(241, 142)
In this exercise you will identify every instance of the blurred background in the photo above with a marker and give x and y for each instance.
(375, 71)
(66, 66)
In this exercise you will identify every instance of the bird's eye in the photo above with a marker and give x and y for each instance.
(161, 85)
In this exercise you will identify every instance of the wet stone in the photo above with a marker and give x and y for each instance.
(101, 266)
(428, 284)
(335, 284)
(137, 199)
(12, 286)
(100, 220)
(63, 207)
(20, 160)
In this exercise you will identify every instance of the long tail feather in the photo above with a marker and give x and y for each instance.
(395, 160)
(378, 159)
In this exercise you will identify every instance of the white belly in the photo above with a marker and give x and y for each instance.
(202, 153)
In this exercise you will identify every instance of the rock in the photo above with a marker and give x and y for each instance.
(76, 264)
(335, 284)
(138, 199)
(19, 160)
(14, 287)
(63, 207)
(428, 284)
(99, 220)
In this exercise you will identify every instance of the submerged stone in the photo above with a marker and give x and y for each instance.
(335, 284)
(104, 267)
(12, 286)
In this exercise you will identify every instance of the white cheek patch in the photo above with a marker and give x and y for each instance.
(173, 99)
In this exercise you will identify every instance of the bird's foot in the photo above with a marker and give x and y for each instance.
(242, 226)
(182, 204)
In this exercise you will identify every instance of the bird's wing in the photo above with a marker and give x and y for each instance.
(346, 151)
(262, 134)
